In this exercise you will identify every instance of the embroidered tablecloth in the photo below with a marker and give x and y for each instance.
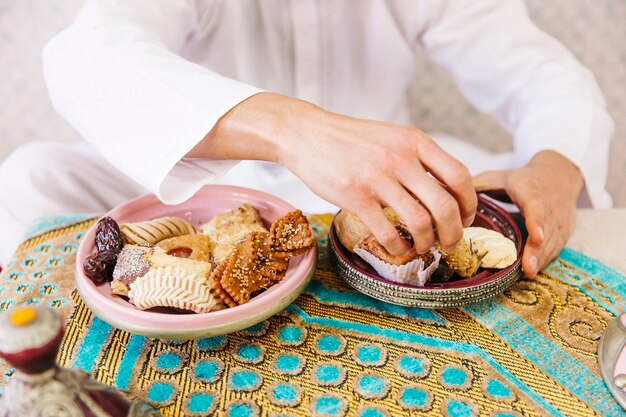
(530, 351)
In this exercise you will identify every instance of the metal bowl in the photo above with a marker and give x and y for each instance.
(456, 291)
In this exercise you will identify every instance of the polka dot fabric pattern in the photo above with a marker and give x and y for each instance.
(336, 352)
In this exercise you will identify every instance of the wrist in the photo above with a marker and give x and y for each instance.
(263, 127)
(559, 168)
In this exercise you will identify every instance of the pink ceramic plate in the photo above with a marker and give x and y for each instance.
(208, 202)
(456, 292)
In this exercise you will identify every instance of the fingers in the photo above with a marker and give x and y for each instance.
(490, 180)
(413, 215)
(453, 174)
(382, 229)
(442, 206)
(537, 256)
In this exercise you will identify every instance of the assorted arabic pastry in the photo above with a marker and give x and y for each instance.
(479, 248)
(152, 231)
(167, 262)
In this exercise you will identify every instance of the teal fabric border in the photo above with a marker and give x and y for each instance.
(547, 356)
(129, 360)
(92, 344)
(47, 223)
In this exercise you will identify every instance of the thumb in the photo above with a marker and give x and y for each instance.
(491, 180)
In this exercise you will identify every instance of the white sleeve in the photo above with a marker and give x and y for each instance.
(115, 76)
(535, 87)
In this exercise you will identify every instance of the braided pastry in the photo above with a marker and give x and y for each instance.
(152, 231)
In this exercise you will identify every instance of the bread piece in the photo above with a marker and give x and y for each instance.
(152, 231)
(371, 245)
(464, 260)
(226, 230)
(494, 249)
(351, 230)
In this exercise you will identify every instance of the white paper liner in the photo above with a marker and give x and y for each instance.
(412, 273)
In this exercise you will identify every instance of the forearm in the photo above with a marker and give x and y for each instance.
(261, 127)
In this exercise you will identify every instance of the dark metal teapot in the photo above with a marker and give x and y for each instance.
(29, 341)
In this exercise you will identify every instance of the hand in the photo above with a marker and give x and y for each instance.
(546, 191)
(359, 165)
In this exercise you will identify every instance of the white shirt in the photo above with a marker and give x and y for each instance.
(145, 80)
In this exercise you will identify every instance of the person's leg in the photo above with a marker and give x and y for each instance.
(48, 179)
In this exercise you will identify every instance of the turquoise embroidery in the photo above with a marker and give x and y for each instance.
(328, 373)
(456, 408)
(454, 376)
(257, 329)
(288, 363)
(371, 412)
(30, 262)
(38, 275)
(497, 389)
(328, 405)
(68, 249)
(241, 409)
(244, 380)
(133, 350)
(200, 402)
(48, 289)
(554, 361)
(9, 374)
(46, 223)
(160, 392)
(7, 304)
(211, 343)
(413, 366)
(14, 276)
(208, 370)
(168, 361)
(44, 248)
(414, 397)
(371, 385)
(330, 345)
(55, 262)
(285, 393)
(361, 300)
(290, 334)
(251, 353)
(57, 303)
(88, 351)
(370, 355)
(24, 288)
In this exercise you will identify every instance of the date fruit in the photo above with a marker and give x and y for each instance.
(108, 236)
(99, 266)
